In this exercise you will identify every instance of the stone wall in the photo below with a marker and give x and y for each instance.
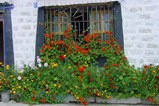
(140, 28)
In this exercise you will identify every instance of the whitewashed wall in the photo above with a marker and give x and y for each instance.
(141, 31)
(24, 23)
(140, 28)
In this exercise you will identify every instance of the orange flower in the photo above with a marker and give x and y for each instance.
(60, 42)
(81, 69)
(33, 98)
(103, 49)
(43, 100)
(109, 33)
(47, 46)
(87, 39)
(47, 35)
(62, 57)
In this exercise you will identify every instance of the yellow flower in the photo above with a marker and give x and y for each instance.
(1, 63)
(11, 76)
(54, 64)
(69, 67)
(13, 92)
(19, 87)
(153, 71)
(55, 85)
(31, 74)
(64, 55)
(7, 67)
(47, 92)
(107, 97)
(59, 86)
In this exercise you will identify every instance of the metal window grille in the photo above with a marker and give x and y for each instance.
(92, 18)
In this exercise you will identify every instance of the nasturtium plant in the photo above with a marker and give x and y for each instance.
(83, 68)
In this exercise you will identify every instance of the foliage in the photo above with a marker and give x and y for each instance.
(66, 67)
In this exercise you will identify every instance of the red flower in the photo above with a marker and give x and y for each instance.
(53, 98)
(43, 100)
(103, 49)
(87, 39)
(95, 36)
(146, 66)
(47, 35)
(33, 98)
(81, 99)
(47, 46)
(157, 77)
(62, 57)
(81, 69)
(109, 33)
(60, 42)
(52, 42)
(84, 103)
(91, 79)
(42, 49)
(110, 79)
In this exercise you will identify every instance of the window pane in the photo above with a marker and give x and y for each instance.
(55, 27)
(106, 16)
(106, 26)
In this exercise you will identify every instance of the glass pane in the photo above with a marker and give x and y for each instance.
(55, 19)
(97, 26)
(106, 26)
(96, 16)
(106, 17)
(55, 27)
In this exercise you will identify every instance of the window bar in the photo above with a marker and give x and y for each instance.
(79, 27)
(87, 19)
(47, 22)
(58, 22)
(83, 21)
(75, 32)
(101, 22)
(54, 20)
(50, 20)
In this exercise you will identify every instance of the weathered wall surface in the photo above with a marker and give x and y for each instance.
(141, 31)
(24, 23)
(140, 28)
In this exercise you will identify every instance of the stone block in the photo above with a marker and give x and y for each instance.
(152, 46)
(124, 101)
(26, 27)
(101, 100)
(25, 14)
(69, 98)
(145, 30)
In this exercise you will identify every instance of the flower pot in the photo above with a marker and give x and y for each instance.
(5, 97)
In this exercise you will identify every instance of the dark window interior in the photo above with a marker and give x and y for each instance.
(1, 42)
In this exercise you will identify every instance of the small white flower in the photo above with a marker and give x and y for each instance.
(45, 64)
(39, 60)
(39, 65)
(19, 77)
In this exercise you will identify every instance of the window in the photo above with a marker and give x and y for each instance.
(84, 19)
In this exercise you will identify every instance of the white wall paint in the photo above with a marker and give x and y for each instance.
(140, 28)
